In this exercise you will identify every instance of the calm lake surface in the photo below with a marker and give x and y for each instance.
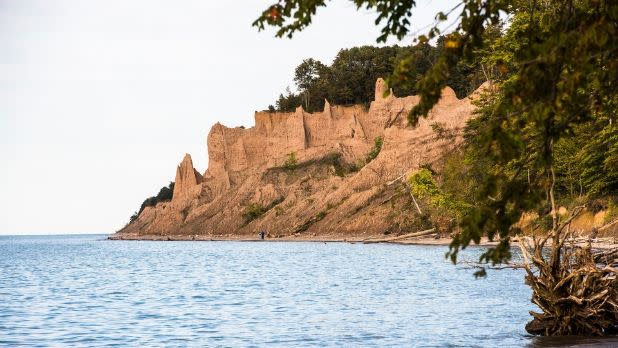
(88, 291)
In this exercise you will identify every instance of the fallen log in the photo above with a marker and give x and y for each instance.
(473, 264)
(404, 236)
(608, 225)
(607, 257)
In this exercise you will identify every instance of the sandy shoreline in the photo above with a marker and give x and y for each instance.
(316, 239)
(600, 243)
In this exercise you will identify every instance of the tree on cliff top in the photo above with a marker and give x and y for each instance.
(306, 75)
(555, 72)
(351, 78)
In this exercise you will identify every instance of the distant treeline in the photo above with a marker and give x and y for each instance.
(351, 78)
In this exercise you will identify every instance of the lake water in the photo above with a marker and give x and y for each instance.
(88, 291)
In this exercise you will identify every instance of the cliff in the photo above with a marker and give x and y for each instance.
(327, 192)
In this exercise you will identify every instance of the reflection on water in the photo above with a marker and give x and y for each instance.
(574, 341)
(87, 291)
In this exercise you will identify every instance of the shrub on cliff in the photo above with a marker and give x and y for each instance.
(340, 167)
(375, 151)
(422, 185)
(291, 162)
(305, 226)
(165, 194)
(133, 217)
(255, 210)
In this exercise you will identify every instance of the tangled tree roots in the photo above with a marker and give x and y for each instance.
(576, 289)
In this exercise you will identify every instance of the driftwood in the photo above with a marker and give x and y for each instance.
(418, 208)
(608, 257)
(404, 236)
(575, 289)
(473, 264)
(608, 225)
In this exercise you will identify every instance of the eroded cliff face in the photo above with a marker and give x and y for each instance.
(313, 197)
(187, 179)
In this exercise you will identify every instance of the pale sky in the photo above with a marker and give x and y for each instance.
(100, 99)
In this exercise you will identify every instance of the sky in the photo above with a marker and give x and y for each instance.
(101, 99)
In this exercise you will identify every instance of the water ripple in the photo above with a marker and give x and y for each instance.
(84, 291)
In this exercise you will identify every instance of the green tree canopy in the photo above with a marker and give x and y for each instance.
(351, 78)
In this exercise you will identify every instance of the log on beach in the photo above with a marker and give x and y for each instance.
(404, 236)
